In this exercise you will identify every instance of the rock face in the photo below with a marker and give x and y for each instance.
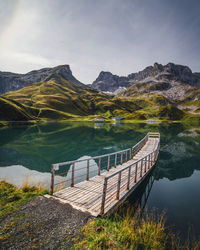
(107, 82)
(11, 81)
(171, 72)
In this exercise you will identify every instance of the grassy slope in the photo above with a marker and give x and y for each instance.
(57, 98)
(12, 110)
(160, 107)
(12, 197)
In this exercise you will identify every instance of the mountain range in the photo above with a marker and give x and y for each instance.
(108, 82)
(164, 92)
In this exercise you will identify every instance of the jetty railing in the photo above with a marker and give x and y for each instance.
(136, 171)
(78, 170)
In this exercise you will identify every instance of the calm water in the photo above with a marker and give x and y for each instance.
(26, 152)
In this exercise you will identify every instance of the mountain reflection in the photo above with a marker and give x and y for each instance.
(37, 147)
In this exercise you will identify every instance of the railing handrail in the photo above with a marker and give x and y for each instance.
(150, 158)
(123, 169)
(100, 156)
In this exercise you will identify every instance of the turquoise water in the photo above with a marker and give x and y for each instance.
(27, 152)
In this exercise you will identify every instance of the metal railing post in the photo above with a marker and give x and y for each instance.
(141, 168)
(148, 161)
(136, 169)
(121, 158)
(52, 180)
(129, 175)
(103, 196)
(145, 166)
(72, 179)
(88, 166)
(118, 186)
(115, 160)
(108, 166)
(99, 167)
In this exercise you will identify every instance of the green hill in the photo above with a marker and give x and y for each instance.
(11, 110)
(56, 98)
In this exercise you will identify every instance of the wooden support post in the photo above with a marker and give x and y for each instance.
(72, 180)
(99, 167)
(136, 169)
(129, 175)
(141, 168)
(103, 196)
(88, 166)
(52, 180)
(118, 186)
(121, 158)
(108, 166)
(115, 160)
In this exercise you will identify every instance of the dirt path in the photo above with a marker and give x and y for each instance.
(43, 223)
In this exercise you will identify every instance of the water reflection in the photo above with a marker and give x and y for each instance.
(175, 178)
(138, 199)
(37, 147)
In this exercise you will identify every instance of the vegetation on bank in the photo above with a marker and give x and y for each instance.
(12, 197)
(131, 231)
(124, 232)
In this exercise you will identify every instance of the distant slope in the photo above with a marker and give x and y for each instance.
(12, 81)
(12, 111)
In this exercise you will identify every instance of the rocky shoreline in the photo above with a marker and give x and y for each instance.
(43, 223)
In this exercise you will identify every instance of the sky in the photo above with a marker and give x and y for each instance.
(120, 36)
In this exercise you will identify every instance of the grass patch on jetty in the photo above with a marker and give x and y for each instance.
(12, 197)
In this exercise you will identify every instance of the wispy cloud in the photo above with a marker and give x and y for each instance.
(115, 35)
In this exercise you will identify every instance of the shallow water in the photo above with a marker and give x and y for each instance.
(27, 152)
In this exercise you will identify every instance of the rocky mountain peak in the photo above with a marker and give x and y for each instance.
(11, 81)
(106, 81)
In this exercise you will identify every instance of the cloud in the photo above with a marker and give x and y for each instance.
(115, 35)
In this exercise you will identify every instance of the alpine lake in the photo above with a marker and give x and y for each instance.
(27, 152)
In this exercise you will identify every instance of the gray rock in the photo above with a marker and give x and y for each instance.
(11, 81)
(170, 73)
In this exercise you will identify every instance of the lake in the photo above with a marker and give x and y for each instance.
(27, 152)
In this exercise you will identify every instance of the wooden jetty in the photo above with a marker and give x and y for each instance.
(116, 176)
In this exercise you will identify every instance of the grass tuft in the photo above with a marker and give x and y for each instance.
(124, 232)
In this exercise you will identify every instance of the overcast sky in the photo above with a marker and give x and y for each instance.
(120, 36)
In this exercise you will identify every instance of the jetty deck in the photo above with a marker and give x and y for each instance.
(117, 175)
